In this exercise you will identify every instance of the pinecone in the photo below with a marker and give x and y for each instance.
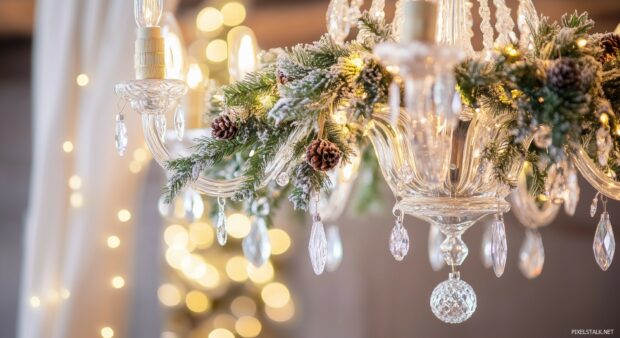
(322, 155)
(564, 75)
(610, 43)
(223, 128)
(281, 78)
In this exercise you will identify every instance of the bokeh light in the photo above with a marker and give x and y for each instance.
(243, 306)
(280, 241)
(281, 314)
(197, 301)
(124, 215)
(82, 80)
(217, 50)
(113, 242)
(236, 269)
(233, 14)
(262, 274)
(221, 333)
(238, 226)
(275, 295)
(248, 327)
(75, 182)
(169, 295)
(202, 235)
(118, 282)
(107, 332)
(209, 19)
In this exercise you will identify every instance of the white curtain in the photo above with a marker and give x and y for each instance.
(67, 283)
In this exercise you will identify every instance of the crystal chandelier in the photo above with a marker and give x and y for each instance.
(455, 131)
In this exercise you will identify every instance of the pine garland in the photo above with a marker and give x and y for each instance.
(296, 87)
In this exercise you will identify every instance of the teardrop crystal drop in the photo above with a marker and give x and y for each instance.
(532, 254)
(179, 123)
(604, 242)
(571, 194)
(334, 248)
(435, 238)
(160, 125)
(256, 245)
(338, 24)
(317, 247)
(399, 241)
(499, 248)
(120, 134)
(485, 252)
(593, 206)
(220, 228)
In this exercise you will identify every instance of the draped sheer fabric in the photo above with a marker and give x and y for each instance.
(68, 267)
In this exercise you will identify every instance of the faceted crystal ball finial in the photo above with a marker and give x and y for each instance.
(453, 301)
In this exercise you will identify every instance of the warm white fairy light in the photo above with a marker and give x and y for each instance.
(75, 182)
(118, 282)
(113, 242)
(197, 301)
(35, 302)
(124, 215)
(243, 306)
(82, 80)
(248, 327)
(236, 269)
(262, 274)
(280, 241)
(239, 225)
(67, 146)
(107, 332)
(65, 293)
(217, 50)
(221, 333)
(194, 76)
(76, 199)
(169, 295)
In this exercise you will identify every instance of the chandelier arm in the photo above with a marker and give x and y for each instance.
(526, 209)
(219, 187)
(594, 175)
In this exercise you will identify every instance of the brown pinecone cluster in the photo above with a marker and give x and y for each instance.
(610, 43)
(223, 128)
(322, 155)
(564, 75)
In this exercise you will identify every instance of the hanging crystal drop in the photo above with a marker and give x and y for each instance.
(532, 254)
(498, 246)
(399, 241)
(120, 134)
(338, 24)
(435, 238)
(487, 239)
(572, 191)
(256, 245)
(179, 123)
(594, 206)
(453, 301)
(317, 246)
(334, 248)
(160, 125)
(282, 179)
(485, 25)
(377, 9)
(222, 223)
(527, 18)
(394, 100)
(604, 242)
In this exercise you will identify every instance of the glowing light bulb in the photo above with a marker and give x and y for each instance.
(194, 76)
(242, 50)
(148, 12)
(174, 52)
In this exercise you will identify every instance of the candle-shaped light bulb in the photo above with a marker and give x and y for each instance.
(242, 50)
(148, 12)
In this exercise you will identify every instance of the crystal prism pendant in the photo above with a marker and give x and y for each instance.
(317, 247)
(120, 134)
(160, 125)
(435, 238)
(594, 206)
(532, 254)
(256, 245)
(399, 241)
(334, 248)
(499, 249)
(179, 123)
(338, 24)
(453, 301)
(604, 242)
(485, 252)
(220, 228)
